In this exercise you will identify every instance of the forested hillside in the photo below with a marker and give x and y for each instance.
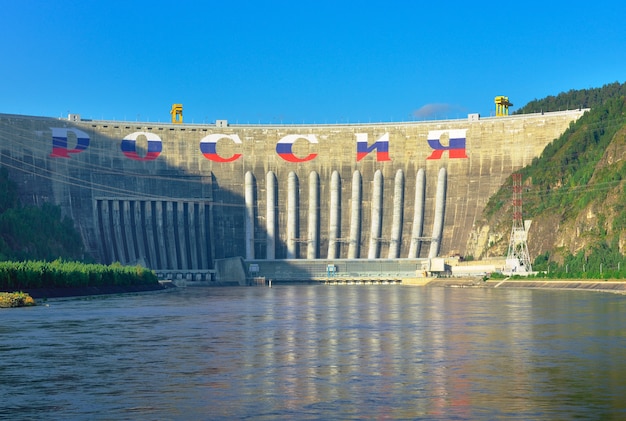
(581, 98)
(34, 233)
(575, 192)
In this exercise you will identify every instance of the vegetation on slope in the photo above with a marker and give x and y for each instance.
(575, 192)
(31, 232)
(573, 99)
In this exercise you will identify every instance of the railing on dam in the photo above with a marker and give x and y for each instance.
(186, 275)
(293, 270)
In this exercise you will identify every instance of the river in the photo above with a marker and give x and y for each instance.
(319, 353)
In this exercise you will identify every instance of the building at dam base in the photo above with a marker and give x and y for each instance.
(180, 196)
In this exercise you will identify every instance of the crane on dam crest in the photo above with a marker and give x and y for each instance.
(502, 105)
(177, 113)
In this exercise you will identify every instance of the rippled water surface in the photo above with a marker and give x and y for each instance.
(317, 352)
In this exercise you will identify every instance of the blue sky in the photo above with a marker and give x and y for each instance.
(300, 62)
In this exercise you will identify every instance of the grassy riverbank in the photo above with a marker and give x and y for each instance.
(16, 276)
(66, 279)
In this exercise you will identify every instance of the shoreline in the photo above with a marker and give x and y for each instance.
(613, 286)
(46, 293)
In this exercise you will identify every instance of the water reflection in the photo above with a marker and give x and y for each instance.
(318, 352)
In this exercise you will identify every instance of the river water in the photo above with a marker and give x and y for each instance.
(317, 352)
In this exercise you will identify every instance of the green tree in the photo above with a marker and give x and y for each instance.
(31, 232)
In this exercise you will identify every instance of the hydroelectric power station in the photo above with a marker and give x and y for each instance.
(177, 197)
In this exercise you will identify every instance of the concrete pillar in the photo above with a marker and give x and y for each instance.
(270, 215)
(313, 235)
(139, 232)
(292, 215)
(203, 234)
(398, 207)
(116, 216)
(418, 214)
(107, 230)
(161, 234)
(210, 234)
(129, 232)
(377, 215)
(249, 215)
(192, 223)
(181, 235)
(355, 216)
(171, 237)
(149, 221)
(334, 216)
(440, 209)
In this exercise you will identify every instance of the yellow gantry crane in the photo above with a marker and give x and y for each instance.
(177, 113)
(502, 106)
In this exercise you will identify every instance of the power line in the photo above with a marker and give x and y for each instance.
(19, 138)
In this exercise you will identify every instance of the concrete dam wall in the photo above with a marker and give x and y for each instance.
(179, 196)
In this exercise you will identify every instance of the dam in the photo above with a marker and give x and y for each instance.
(181, 196)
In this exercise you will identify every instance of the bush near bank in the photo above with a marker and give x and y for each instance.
(15, 299)
(17, 276)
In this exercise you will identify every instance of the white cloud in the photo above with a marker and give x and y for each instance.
(437, 111)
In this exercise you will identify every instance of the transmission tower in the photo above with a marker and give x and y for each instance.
(517, 258)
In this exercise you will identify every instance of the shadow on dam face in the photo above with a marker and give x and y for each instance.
(128, 208)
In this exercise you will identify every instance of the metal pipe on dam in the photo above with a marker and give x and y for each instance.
(180, 196)
(355, 216)
(398, 208)
(440, 206)
(418, 215)
(270, 212)
(314, 209)
(377, 215)
(334, 215)
(249, 221)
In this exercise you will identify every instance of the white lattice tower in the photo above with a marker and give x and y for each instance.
(518, 259)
